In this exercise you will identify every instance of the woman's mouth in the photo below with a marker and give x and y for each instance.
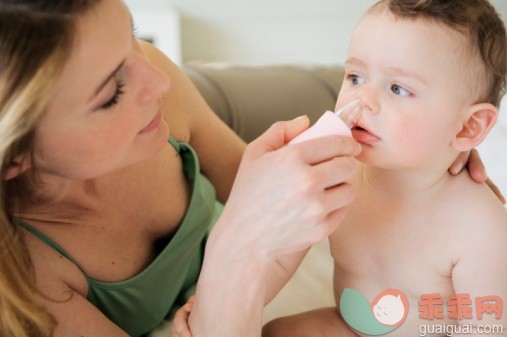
(153, 124)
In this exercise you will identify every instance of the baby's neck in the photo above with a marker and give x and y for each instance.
(401, 186)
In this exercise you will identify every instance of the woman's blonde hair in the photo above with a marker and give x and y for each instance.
(35, 41)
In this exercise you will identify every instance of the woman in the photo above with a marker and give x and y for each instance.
(104, 220)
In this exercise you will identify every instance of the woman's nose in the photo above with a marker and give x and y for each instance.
(153, 81)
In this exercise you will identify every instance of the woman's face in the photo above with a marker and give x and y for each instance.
(105, 112)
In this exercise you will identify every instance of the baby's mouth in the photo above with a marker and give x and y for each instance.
(363, 135)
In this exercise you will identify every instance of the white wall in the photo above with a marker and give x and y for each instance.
(267, 31)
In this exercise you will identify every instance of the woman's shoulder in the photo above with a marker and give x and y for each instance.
(55, 274)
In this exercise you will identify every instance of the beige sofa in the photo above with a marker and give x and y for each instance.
(250, 99)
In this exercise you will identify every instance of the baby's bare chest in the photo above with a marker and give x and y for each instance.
(380, 256)
(396, 232)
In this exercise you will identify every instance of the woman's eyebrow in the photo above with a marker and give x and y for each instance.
(106, 81)
(108, 78)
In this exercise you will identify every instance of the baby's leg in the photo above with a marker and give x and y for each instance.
(323, 322)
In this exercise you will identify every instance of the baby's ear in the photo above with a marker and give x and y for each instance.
(17, 167)
(481, 118)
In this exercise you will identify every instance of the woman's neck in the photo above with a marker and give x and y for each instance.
(60, 201)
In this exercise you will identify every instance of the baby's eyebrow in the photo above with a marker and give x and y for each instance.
(405, 73)
(355, 61)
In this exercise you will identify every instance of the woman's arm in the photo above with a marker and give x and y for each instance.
(64, 294)
(284, 200)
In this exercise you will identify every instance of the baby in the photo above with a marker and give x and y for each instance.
(420, 251)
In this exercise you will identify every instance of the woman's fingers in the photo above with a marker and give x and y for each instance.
(336, 200)
(459, 163)
(476, 169)
(311, 151)
(180, 326)
(335, 171)
(318, 150)
(495, 190)
(277, 136)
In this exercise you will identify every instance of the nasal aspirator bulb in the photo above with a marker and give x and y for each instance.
(332, 123)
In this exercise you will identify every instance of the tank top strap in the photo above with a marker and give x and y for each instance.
(48, 241)
(174, 143)
(44, 238)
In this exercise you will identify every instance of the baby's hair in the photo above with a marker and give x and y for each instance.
(36, 38)
(479, 22)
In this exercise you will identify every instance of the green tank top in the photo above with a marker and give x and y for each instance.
(139, 304)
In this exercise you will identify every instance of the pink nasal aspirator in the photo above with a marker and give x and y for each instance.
(332, 123)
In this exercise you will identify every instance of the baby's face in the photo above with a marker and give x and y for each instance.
(409, 77)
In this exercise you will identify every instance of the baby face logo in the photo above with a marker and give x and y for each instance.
(387, 312)
(390, 307)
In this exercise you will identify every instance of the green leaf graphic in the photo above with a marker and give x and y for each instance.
(356, 311)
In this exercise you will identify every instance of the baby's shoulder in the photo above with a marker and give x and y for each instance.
(473, 199)
(473, 211)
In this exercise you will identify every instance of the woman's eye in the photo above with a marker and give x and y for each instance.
(400, 91)
(135, 31)
(114, 99)
(355, 79)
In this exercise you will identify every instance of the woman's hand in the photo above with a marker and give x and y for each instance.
(287, 198)
(284, 199)
(179, 327)
(472, 161)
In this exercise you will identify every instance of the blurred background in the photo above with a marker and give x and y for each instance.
(254, 32)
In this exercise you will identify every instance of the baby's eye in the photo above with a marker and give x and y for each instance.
(399, 90)
(355, 79)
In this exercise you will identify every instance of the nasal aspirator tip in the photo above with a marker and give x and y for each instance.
(332, 123)
(350, 113)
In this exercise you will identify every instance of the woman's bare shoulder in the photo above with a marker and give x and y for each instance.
(55, 274)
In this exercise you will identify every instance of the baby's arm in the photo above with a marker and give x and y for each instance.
(480, 270)
(324, 322)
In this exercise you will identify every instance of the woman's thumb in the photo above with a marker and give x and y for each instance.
(278, 135)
